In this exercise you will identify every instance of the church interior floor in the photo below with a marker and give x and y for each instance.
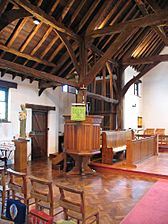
(114, 194)
(155, 166)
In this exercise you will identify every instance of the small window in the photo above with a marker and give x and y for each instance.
(137, 88)
(3, 103)
(69, 89)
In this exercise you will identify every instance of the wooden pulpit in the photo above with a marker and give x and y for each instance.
(20, 155)
(81, 141)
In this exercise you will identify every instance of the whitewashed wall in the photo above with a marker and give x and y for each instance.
(155, 88)
(132, 103)
(28, 93)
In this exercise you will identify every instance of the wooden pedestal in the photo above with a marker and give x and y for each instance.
(20, 155)
(81, 141)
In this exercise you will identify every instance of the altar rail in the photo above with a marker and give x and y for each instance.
(114, 142)
(140, 149)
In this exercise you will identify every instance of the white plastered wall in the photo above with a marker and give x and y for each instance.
(132, 106)
(155, 89)
(28, 93)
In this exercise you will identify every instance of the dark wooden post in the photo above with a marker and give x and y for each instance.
(81, 97)
(120, 72)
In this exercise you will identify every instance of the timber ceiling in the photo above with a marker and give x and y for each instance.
(77, 39)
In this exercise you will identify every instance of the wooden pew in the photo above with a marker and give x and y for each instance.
(114, 142)
(140, 149)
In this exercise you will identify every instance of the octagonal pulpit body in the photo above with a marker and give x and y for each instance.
(82, 137)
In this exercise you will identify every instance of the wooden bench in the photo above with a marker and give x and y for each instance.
(114, 142)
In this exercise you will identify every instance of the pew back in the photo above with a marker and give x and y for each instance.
(114, 141)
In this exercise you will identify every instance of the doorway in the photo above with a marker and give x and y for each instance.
(40, 137)
(39, 143)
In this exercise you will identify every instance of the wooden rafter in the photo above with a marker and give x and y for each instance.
(88, 14)
(125, 35)
(64, 13)
(100, 53)
(136, 42)
(75, 14)
(3, 5)
(29, 38)
(69, 49)
(73, 46)
(45, 18)
(67, 8)
(146, 60)
(157, 29)
(45, 85)
(150, 20)
(65, 57)
(12, 15)
(33, 33)
(111, 78)
(83, 60)
(105, 45)
(100, 97)
(26, 56)
(99, 16)
(16, 32)
(47, 33)
(153, 5)
(34, 73)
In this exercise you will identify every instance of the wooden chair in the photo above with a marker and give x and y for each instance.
(73, 202)
(149, 131)
(43, 193)
(18, 184)
(160, 131)
(4, 188)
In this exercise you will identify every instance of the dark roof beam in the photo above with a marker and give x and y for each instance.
(157, 29)
(45, 85)
(100, 53)
(34, 73)
(12, 15)
(124, 36)
(135, 78)
(149, 20)
(3, 5)
(27, 56)
(69, 49)
(146, 60)
(103, 98)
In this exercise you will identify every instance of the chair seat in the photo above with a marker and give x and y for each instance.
(88, 213)
(61, 221)
(47, 205)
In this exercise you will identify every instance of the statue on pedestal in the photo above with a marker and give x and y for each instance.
(22, 118)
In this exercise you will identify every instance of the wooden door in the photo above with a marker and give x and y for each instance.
(40, 129)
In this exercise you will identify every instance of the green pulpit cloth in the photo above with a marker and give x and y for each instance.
(78, 112)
